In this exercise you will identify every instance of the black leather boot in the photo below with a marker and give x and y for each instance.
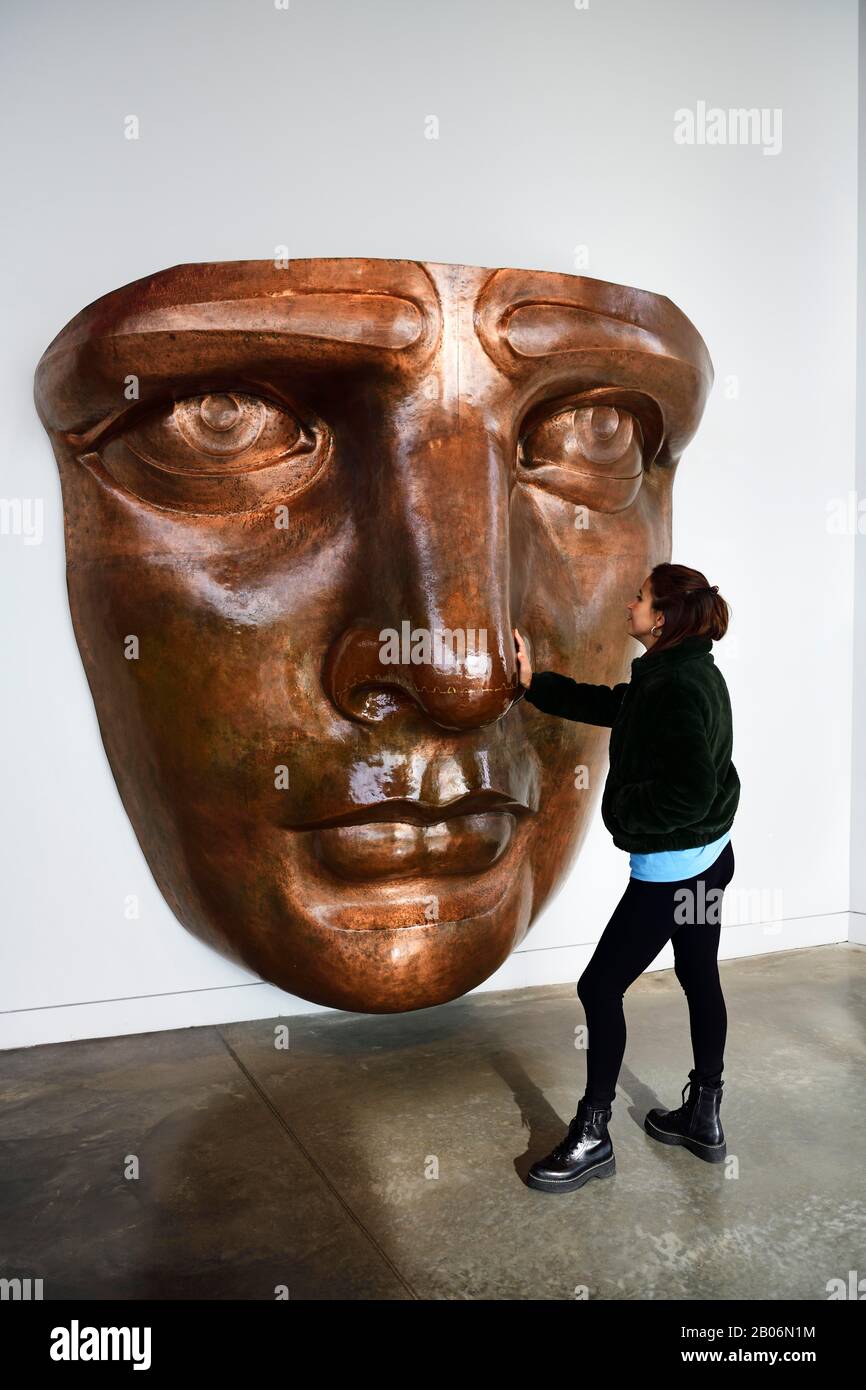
(695, 1125)
(585, 1152)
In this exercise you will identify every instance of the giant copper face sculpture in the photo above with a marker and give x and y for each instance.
(306, 504)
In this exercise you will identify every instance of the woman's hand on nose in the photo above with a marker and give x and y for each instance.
(524, 668)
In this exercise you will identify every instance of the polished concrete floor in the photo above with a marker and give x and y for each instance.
(382, 1157)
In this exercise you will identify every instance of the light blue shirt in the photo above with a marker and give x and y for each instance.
(669, 865)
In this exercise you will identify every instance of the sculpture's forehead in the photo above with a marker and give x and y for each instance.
(371, 309)
(367, 299)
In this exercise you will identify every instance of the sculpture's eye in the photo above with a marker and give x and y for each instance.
(588, 454)
(221, 452)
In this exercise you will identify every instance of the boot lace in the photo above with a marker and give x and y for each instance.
(564, 1145)
(681, 1109)
(575, 1129)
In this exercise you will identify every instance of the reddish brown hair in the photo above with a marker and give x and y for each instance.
(692, 607)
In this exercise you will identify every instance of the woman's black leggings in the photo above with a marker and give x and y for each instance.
(646, 916)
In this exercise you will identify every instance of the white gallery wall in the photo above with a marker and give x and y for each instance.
(308, 126)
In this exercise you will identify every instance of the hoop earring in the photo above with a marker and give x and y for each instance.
(653, 630)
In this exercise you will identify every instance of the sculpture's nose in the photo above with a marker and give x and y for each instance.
(440, 587)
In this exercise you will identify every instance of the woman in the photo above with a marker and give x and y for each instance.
(669, 799)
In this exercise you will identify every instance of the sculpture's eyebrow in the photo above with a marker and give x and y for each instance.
(544, 325)
(525, 319)
(388, 321)
(79, 380)
(374, 320)
(547, 329)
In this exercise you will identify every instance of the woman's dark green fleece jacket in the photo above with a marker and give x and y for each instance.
(671, 782)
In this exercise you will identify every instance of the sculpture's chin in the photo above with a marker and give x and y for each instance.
(389, 969)
(425, 941)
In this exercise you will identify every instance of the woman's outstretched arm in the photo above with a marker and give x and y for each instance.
(590, 704)
(570, 699)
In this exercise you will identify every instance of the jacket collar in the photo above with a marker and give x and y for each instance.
(686, 650)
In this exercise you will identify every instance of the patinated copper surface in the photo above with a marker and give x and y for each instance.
(265, 467)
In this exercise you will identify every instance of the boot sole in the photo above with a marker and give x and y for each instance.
(710, 1153)
(601, 1170)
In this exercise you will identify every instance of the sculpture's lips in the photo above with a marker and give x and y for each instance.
(402, 838)
(398, 849)
(418, 812)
